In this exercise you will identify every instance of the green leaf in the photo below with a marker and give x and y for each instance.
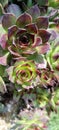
(2, 70)
(42, 2)
(29, 3)
(36, 57)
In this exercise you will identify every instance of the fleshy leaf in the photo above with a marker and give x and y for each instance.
(8, 20)
(56, 20)
(3, 59)
(3, 41)
(38, 41)
(43, 48)
(42, 22)
(34, 12)
(13, 8)
(10, 48)
(11, 31)
(38, 58)
(52, 13)
(2, 85)
(10, 71)
(54, 34)
(2, 70)
(3, 37)
(20, 31)
(23, 20)
(42, 65)
(45, 35)
(31, 28)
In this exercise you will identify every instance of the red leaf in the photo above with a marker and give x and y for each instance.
(3, 59)
(3, 41)
(23, 20)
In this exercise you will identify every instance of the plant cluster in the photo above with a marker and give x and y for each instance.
(29, 58)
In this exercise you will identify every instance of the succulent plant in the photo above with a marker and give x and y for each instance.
(23, 72)
(53, 56)
(47, 78)
(24, 36)
(23, 43)
(29, 60)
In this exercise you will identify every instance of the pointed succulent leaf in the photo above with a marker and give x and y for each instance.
(56, 20)
(54, 34)
(8, 20)
(42, 22)
(3, 37)
(42, 65)
(52, 13)
(31, 28)
(37, 58)
(45, 35)
(10, 73)
(13, 8)
(23, 20)
(11, 31)
(2, 85)
(20, 31)
(10, 48)
(37, 42)
(42, 49)
(3, 41)
(3, 59)
(34, 12)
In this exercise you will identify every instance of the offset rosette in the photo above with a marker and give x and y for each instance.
(47, 78)
(25, 35)
(23, 72)
(53, 56)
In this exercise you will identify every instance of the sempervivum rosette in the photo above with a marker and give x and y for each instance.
(24, 34)
(23, 72)
(47, 78)
(53, 56)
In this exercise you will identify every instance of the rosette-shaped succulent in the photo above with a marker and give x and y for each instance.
(53, 56)
(47, 78)
(23, 72)
(26, 35)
